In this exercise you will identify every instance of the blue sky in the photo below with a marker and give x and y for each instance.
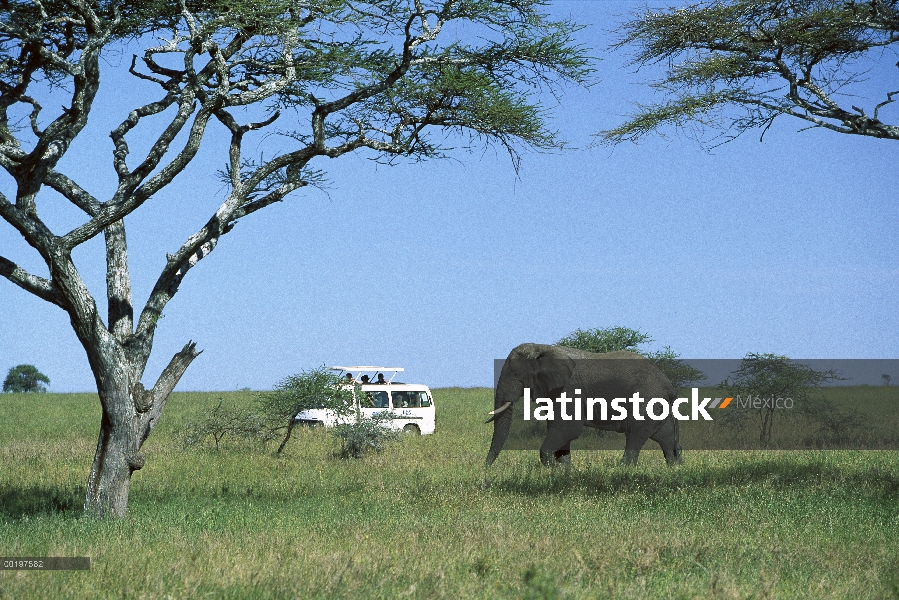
(785, 246)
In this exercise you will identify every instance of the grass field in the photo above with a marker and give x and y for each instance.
(423, 519)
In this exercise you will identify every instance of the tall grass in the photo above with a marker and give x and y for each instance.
(425, 519)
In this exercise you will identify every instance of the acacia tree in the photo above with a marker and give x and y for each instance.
(316, 388)
(735, 65)
(771, 376)
(336, 76)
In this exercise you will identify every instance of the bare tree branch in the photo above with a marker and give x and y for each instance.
(73, 192)
(31, 228)
(40, 287)
(166, 382)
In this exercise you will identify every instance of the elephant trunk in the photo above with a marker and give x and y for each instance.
(501, 426)
(508, 392)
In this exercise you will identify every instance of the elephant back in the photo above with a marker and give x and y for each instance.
(619, 374)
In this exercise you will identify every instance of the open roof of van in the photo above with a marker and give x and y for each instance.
(368, 368)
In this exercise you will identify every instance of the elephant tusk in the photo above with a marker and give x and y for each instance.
(500, 409)
(495, 413)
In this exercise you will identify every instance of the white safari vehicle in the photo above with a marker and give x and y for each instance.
(411, 404)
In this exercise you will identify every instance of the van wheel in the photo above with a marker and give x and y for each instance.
(412, 429)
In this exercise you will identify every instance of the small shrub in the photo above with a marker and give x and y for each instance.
(366, 434)
(273, 416)
(219, 422)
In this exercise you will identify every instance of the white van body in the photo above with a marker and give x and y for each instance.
(411, 404)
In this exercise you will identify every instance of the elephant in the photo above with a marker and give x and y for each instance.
(551, 371)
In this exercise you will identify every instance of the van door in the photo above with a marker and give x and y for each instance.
(373, 402)
(414, 409)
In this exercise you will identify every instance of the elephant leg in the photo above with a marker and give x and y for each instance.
(556, 447)
(563, 454)
(666, 437)
(633, 444)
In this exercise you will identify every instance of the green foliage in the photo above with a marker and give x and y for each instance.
(734, 65)
(396, 90)
(395, 78)
(364, 435)
(777, 376)
(274, 414)
(313, 388)
(609, 339)
(25, 379)
(836, 425)
(613, 339)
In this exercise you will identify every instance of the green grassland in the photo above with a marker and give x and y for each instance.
(424, 519)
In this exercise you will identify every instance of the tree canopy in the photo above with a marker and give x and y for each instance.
(293, 81)
(608, 339)
(736, 65)
(25, 379)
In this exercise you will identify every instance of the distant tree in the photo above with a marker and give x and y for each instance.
(735, 65)
(25, 378)
(385, 79)
(612, 339)
(886, 379)
(774, 376)
(315, 388)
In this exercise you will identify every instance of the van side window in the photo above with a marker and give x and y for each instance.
(418, 399)
(378, 399)
(411, 399)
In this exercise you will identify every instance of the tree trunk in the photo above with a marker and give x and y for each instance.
(129, 415)
(116, 459)
(290, 427)
(767, 424)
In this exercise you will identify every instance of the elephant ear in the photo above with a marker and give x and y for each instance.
(552, 369)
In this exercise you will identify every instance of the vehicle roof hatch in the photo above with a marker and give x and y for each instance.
(365, 368)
